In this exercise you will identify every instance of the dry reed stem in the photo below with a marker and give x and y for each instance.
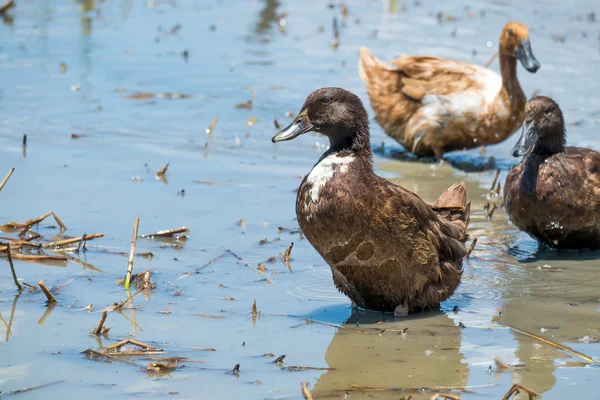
(136, 225)
(41, 257)
(98, 330)
(34, 221)
(167, 233)
(305, 392)
(12, 267)
(49, 295)
(6, 178)
(65, 242)
(129, 298)
(29, 389)
(491, 60)
(18, 242)
(558, 346)
(243, 261)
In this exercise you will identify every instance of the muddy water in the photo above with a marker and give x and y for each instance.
(100, 180)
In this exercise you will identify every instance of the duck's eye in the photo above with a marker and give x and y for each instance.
(511, 32)
(325, 100)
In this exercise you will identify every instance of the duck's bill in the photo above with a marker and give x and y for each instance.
(525, 55)
(300, 125)
(527, 140)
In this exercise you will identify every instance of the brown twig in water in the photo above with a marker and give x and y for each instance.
(48, 294)
(516, 389)
(556, 345)
(129, 298)
(98, 331)
(197, 270)
(246, 263)
(254, 310)
(305, 392)
(117, 346)
(29, 389)
(6, 178)
(41, 257)
(65, 242)
(473, 243)
(12, 267)
(136, 225)
(34, 221)
(487, 64)
(167, 233)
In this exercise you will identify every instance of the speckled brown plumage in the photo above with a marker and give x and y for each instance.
(386, 247)
(554, 192)
(432, 105)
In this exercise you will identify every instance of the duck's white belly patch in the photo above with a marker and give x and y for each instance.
(467, 104)
(324, 171)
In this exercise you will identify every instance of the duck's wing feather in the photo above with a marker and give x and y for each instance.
(572, 178)
(400, 242)
(439, 76)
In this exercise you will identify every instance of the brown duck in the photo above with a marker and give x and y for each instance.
(388, 250)
(432, 105)
(554, 192)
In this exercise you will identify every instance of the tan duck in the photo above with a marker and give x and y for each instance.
(433, 105)
(554, 192)
(388, 250)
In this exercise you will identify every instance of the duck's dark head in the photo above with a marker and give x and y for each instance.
(514, 42)
(543, 128)
(335, 113)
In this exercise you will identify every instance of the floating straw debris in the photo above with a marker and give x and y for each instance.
(65, 242)
(166, 233)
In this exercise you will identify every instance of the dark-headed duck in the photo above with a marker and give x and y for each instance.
(388, 250)
(433, 105)
(554, 192)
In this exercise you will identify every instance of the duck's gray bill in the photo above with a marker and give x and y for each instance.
(300, 125)
(525, 55)
(529, 137)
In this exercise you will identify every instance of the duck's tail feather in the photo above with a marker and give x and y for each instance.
(453, 206)
(392, 102)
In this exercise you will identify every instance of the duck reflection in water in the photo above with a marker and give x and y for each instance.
(426, 356)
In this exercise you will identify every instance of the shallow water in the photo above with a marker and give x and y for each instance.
(99, 182)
